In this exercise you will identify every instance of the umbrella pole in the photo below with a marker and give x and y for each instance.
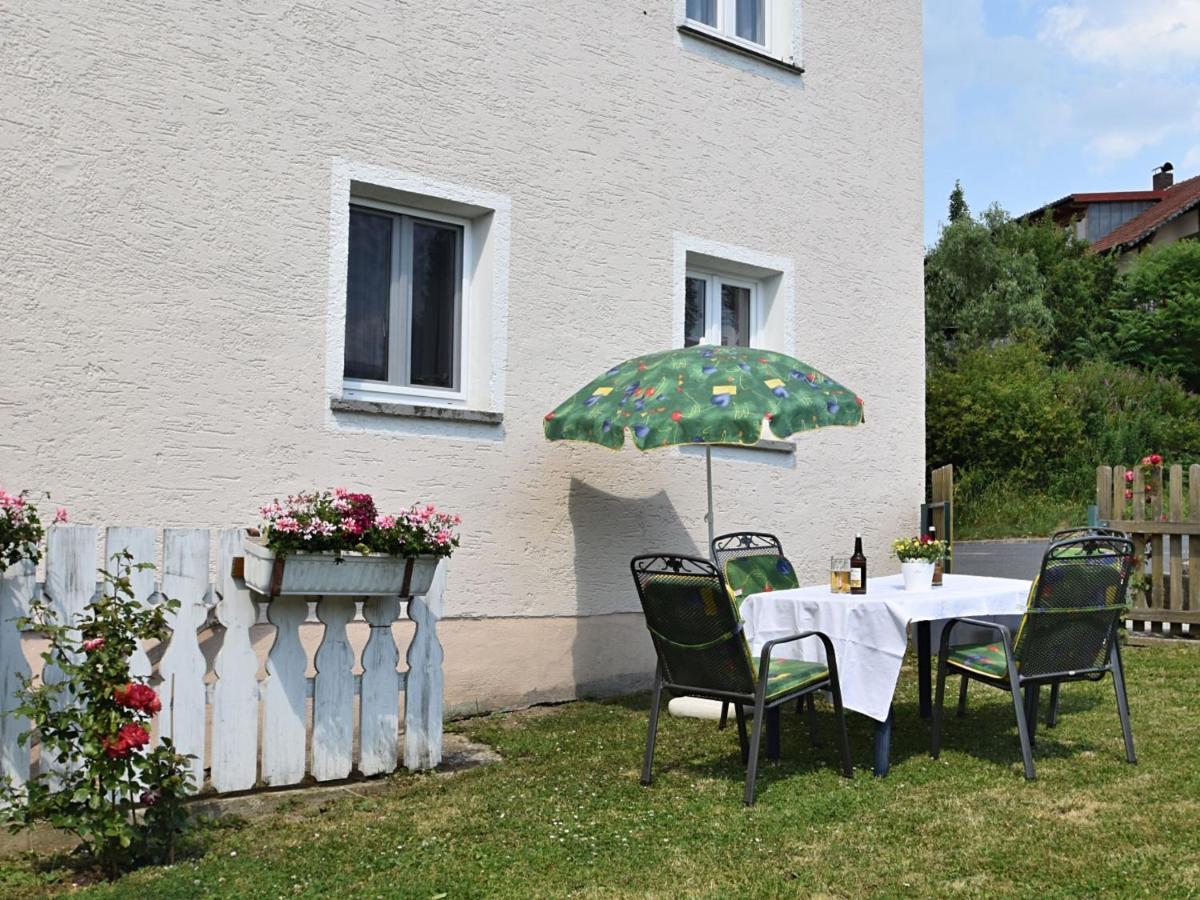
(709, 517)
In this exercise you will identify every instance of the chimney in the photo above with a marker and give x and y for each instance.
(1164, 176)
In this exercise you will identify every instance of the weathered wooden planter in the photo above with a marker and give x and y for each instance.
(329, 574)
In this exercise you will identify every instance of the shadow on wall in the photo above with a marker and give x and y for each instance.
(612, 652)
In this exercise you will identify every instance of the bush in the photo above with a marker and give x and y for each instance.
(1005, 415)
(94, 723)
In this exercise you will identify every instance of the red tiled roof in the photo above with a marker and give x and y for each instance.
(1083, 199)
(1175, 201)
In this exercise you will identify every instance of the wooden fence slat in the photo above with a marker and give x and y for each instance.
(1118, 492)
(379, 706)
(235, 694)
(1104, 493)
(17, 585)
(1193, 543)
(284, 712)
(70, 586)
(185, 578)
(333, 693)
(1175, 542)
(423, 685)
(140, 543)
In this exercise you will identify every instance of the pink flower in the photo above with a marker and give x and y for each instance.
(385, 522)
(1128, 495)
(60, 515)
(1129, 475)
(443, 538)
(93, 644)
(286, 524)
(1155, 459)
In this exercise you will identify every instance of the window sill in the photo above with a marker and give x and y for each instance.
(735, 47)
(413, 411)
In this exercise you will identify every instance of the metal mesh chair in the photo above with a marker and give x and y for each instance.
(752, 562)
(1068, 633)
(1070, 534)
(702, 652)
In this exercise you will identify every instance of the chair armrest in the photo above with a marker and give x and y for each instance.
(1002, 630)
(764, 661)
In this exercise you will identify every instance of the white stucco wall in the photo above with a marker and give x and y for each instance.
(165, 171)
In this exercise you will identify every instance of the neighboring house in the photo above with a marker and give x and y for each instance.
(1127, 222)
(254, 250)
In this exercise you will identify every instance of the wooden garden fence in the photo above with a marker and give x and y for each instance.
(1159, 513)
(243, 732)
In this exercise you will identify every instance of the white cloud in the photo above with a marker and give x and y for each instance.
(1155, 35)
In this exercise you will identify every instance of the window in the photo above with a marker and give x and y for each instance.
(404, 290)
(720, 309)
(742, 20)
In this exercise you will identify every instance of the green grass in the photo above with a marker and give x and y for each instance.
(994, 512)
(564, 814)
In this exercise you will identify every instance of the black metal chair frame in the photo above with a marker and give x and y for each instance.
(667, 564)
(1070, 534)
(1026, 709)
(740, 544)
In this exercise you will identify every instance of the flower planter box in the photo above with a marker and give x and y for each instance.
(335, 574)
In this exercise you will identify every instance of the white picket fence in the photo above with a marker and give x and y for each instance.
(216, 716)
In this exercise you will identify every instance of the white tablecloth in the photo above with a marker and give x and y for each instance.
(869, 632)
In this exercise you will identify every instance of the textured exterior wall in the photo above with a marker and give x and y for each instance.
(165, 171)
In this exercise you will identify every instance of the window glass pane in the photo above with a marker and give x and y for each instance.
(752, 20)
(368, 292)
(435, 267)
(703, 11)
(695, 297)
(735, 315)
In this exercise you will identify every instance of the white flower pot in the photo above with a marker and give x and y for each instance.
(918, 575)
(330, 574)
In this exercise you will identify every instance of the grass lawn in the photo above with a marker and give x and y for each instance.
(564, 813)
(997, 513)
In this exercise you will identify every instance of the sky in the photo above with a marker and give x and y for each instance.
(1029, 100)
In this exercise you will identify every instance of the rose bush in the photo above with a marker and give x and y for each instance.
(93, 722)
(342, 521)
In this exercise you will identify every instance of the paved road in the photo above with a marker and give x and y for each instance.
(1005, 559)
(1002, 559)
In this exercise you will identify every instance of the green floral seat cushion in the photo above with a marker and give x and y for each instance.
(787, 675)
(748, 575)
(982, 659)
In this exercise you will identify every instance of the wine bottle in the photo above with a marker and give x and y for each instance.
(858, 568)
(938, 569)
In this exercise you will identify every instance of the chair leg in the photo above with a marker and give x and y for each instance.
(1033, 696)
(813, 734)
(743, 741)
(652, 730)
(962, 696)
(1118, 674)
(752, 762)
(939, 704)
(773, 736)
(843, 738)
(1052, 713)
(1022, 724)
(724, 716)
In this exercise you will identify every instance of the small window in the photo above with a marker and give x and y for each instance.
(743, 20)
(720, 309)
(404, 289)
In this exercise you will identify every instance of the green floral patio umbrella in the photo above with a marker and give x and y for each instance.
(703, 395)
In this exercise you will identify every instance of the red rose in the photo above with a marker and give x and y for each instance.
(117, 749)
(93, 644)
(1155, 459)
(134, 735)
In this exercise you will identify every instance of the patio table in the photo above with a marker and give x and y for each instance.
(870, 633)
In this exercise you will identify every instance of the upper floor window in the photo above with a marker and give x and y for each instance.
(720, 309)
(404, 290)
(743, 20)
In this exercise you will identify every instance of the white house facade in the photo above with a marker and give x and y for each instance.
(255, 249)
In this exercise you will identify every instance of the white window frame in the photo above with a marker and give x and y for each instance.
(726, 27)
(712, 304)
(399, 339)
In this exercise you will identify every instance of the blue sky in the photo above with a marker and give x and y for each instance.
(1028, 100)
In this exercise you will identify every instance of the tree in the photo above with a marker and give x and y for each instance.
(958, 203)
(981, 288)
(1157, 323)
